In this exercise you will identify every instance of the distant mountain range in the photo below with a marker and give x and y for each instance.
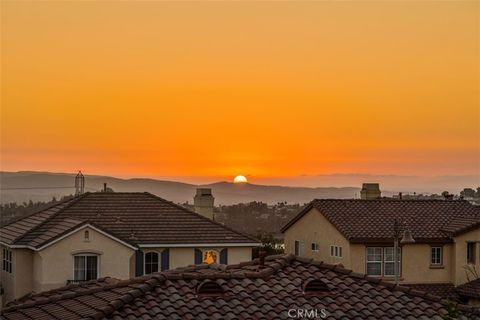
(42, 186)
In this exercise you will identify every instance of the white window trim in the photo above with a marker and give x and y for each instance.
(382, 262)
(316, 246)
(441, 255)
(159, 252)
(86, 254)
(336, 251)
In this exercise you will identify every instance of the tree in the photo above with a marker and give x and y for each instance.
(468, 193)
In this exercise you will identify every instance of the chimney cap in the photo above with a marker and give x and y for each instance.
(204, 192)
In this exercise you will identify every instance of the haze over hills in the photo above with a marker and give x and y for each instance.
(42, 186)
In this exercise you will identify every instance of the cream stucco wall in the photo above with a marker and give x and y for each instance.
(460, 251)
(314, 227)
(239, 254)
(19, 282)
(57, 259)
(181, 257)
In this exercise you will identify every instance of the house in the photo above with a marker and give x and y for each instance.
(278, 287)
(116, 234)
(359, 235)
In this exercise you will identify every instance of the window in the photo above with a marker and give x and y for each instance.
(210, 256)
(374, 261)
(381, 261)
(315, 247)
(7, 260)
(85, 267)
(436, 256)
(151, 262)
(471, 252)
(299, 248)
(336, 251)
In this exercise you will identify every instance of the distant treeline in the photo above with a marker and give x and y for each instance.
(13, 210)
(256, 218)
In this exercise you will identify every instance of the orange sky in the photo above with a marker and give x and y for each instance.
(208, 90)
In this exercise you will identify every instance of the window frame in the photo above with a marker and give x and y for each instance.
(86, 255)
(439, 253)
(159, 260)
(383, 261)
(301, 248)
(471, 254)
(315, 246)
(7, 260)
(336, 251)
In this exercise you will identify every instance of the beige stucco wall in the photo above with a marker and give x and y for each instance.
(314, 227)
(181, 257)
(239, 254)
(23, 271)
(57, 259)
(416, 264)
(19, 282)
(460, 251)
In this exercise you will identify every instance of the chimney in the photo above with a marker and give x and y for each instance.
(400, 196)
(104, 187)
(370, 191)
(203, 202)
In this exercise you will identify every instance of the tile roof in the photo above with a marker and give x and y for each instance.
(372, 220)
(250, 291)
(470, 289)
(136, 218)
(443, 290)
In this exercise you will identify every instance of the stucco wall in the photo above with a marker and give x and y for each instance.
(314, 227)
(57, 259)
(239, 254)
(23, 271)
(460, 251)
(416, 264)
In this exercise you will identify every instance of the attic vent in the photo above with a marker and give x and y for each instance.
(209, 288)
(315, 286)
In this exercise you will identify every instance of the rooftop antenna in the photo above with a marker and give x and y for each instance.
(79, 184)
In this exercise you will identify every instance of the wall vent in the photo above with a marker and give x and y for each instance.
(315, 286)
(210, 289)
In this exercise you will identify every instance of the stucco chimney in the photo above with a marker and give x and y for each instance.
(203, 202)
(370, 191)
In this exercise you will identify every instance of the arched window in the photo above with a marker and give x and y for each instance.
(151, 262)
(210, 256)
(87, 235)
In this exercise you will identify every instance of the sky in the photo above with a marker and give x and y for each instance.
(276, 91)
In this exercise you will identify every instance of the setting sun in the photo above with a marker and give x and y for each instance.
(240, 179)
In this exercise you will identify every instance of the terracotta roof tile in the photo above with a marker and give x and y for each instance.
(173, 295)
(371, 220)
(470, 289)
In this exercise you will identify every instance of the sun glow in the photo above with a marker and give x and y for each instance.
(240, 179)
